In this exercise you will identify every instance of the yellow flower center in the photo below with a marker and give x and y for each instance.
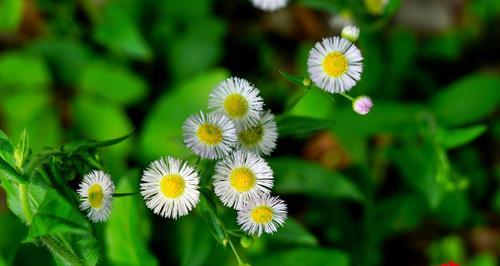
(95, 196)
(262, 215)
(335, 64)
(172, 186)
(251, 136)
(242, 179)
(235, 105)
(209, 134)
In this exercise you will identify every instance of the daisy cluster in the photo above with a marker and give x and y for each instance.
(237, 133)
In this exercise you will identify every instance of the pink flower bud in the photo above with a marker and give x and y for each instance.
(362, 105)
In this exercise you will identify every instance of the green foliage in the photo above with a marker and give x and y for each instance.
(303, 257)
(113, 83)
(296, 176)
(467, 100)
(172, 109)
(10, 15)
(127, 230)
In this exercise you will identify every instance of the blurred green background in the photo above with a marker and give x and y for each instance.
(415, 182)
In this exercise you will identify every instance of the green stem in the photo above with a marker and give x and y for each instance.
(60, 250)
(120, 195)
(233, 248)
(23, 196)
(348, 97)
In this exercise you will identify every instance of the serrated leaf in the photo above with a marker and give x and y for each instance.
(454, 138)
(8, 172)
(295, 176)
(56, 215)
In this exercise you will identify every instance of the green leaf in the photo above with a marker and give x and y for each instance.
(119, 33)
(104, 120)
(297, 80)
(38, 116)
(162, 131)
(207, 208)
(88, 144)
(293, 233)
(300, 125)
(56, 215)
(305, 257)
(195, 241)
(196, 48)
(12, 232)
(454, 138)
(22, 150)
(22, 71)
(6, 149)
(483, 259)
(315, 104)
(8, 172)
(467, 100)
(127, 232)
(112, 82)
(11, 14)
(295, 176)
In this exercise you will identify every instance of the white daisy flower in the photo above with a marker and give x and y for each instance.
(170, 187)
(334, 64)
(211, 136)
(262, 214)
(96, 194)
(238, 99)
(269, 5)
(240, 177)
(350, 33)
(261, 138)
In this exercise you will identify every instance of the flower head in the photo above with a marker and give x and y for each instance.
(334, 64)
(240, 177)
(237, 99)
(269, 5)
(96, 194)
(211, 136)
(262, 214)
(362, 105)
(350, 33)
(260, 138)
(170, 187)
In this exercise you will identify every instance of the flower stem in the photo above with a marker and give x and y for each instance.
(120, 195)
(347, 96)
(233, 248)
(23, 196)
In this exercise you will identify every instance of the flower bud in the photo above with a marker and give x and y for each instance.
(362, 105)
(350, 33)
(246, 242)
